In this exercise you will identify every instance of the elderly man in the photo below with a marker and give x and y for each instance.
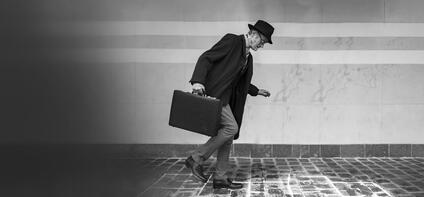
(225, 72)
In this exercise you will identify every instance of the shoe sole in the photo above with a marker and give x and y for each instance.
(221, 187)
(216, 186)
(197, 177)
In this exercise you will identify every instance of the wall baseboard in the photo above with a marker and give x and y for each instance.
(238, 150)
(287, 150)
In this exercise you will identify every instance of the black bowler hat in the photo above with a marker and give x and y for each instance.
(264, 28)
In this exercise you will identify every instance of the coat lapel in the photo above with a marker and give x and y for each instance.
(243, 54)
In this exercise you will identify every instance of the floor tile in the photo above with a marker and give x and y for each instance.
(304, 177)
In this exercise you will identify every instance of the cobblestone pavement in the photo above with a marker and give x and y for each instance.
(397, 177)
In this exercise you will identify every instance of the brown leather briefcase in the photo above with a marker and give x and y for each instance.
(195, 113)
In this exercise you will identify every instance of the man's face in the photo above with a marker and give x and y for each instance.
(258, 41)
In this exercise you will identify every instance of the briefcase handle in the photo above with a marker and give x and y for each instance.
(203, 95)
(199, 93)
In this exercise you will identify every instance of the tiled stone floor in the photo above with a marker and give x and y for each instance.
(62, 175)
(397, 177)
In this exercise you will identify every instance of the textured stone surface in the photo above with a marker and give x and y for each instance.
(354, 150)
(400, 150)
(242, 150)
(282, 150)
(315, 150)
(418, 150)
(377, 150)
(259, 150)
(330, 150)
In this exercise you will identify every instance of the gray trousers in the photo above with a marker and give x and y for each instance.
(221, 142)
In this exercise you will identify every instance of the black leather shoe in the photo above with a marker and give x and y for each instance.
(218, 184)
(196, 169)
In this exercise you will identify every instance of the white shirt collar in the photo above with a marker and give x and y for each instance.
(247, 48)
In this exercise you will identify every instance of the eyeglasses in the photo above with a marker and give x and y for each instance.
(263, 39)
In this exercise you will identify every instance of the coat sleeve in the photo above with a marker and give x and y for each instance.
(253, 90)
(207, 59)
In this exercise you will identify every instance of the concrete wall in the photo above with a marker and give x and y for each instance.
(340, 71)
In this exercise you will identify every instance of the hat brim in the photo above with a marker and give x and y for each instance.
(253, 27)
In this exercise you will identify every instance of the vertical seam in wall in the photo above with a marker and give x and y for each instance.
(291, 151)
(309, 150)
(250, 151)
(364, 152)
(412, 145)
(340, 150)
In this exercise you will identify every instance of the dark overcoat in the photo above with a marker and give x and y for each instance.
(219, 70)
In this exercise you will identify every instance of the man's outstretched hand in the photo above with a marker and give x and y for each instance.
(264, 93)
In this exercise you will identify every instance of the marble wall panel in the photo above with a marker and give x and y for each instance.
(402, 124)
(302, 124)
(156, 82)
(403, 84)
(349, 84)
(263, 123)
(352, 11)
(288, 84)
(308, 11)
(404, 11)
(345, 124)
(200, 10)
